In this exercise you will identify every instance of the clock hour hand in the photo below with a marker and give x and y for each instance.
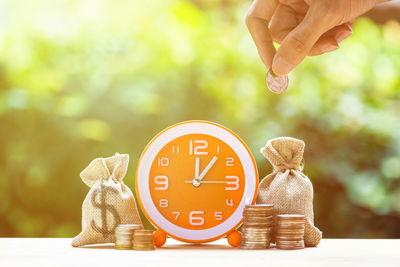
(206, 169)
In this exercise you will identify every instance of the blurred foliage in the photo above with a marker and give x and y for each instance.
(82, 79)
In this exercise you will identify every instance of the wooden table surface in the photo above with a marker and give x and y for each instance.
(57, 252)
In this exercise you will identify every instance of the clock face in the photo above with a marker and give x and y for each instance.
(197, 181)
(194, 180)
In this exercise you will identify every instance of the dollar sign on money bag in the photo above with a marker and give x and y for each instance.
(105, 230)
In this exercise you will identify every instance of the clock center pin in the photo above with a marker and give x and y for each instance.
(196, 182)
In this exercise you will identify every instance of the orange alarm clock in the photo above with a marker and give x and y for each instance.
(193, 181)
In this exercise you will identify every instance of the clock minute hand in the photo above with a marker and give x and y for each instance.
(207, 168)
(197, 168)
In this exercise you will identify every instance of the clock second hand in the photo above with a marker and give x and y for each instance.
(208, 182)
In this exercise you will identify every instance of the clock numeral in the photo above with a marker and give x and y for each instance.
(163, 162)
(194, 219)
(162, 181)
(175, 149)
(177, 213)
(197, 145)
(229, 202)
(234, 183)
(229, 161)
(218, 215)
(163, 203)
(217, 149)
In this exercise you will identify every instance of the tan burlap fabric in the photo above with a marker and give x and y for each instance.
(287, 188)
(109, 201)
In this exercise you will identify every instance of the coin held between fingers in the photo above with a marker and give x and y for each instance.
(276, 84)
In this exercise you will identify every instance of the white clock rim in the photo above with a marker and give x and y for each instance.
(195, 128)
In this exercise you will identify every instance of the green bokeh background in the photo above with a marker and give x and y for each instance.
(83, 79)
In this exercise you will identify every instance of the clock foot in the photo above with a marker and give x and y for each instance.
(159, 238)
(234, 238)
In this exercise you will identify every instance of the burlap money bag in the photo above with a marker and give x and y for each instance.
(109, 201)
(287, 188)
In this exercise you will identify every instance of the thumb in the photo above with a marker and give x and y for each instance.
(297, 44)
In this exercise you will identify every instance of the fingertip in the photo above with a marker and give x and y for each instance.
(280, 66)
(330, 48)
(343, 35)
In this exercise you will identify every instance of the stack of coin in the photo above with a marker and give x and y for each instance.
(143, 240)
(124, 235)
(290, 231)
(257, 226)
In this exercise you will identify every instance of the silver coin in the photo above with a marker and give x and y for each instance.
(290, 217)
(254, 242)
(257, 219)
(254, 229)
(289, 247)
(260, 206)
(255, 238)
(244, 232)
(276, 84)
(255, 225)
(245, 247)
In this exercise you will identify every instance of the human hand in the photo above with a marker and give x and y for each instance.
(302, 27)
